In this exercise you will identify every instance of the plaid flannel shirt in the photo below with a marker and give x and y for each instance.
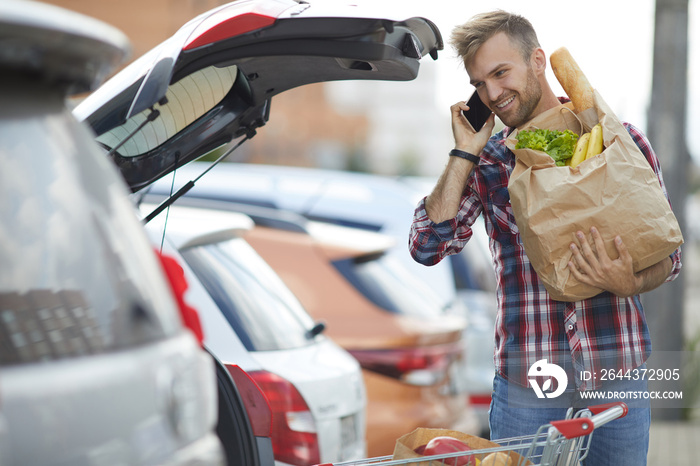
(602, 332)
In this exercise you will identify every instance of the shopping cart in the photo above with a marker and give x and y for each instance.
(560, 443)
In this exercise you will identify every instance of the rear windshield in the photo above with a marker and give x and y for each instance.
(186, 101)
(77, 273)
(264, 313)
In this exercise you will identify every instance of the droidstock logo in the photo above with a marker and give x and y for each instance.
(543, 369)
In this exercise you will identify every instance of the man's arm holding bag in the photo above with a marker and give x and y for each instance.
(614, 275)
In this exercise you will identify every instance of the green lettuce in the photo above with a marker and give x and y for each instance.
(559, 145)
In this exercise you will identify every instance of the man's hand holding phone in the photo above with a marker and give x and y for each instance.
(472, 124)
(478, 112)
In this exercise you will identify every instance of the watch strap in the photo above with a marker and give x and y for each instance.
(465, 155)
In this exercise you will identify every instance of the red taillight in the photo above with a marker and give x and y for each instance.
(294, 438)
(255, 401)
(233, 21)
(178, 283)
(230, 28)
(418, 366)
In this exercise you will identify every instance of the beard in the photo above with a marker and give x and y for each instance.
(528, 99)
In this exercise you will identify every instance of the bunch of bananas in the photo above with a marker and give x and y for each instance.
(588, 145)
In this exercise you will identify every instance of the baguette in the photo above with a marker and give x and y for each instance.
(572, 79)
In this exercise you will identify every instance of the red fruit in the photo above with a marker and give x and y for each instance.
(443, 445)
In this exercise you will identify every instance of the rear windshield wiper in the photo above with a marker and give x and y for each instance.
(151, 117)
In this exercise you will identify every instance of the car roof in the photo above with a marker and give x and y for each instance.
(213, 80)
(188, 226)
(74, 52)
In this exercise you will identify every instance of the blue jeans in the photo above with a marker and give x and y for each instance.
(516, 411)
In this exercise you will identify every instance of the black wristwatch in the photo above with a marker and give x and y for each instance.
(465, 155)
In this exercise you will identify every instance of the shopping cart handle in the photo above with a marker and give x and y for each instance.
(577, 427)
(597, 409)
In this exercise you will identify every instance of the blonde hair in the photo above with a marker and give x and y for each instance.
(467, 38)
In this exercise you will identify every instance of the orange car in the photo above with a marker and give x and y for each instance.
(408, 349)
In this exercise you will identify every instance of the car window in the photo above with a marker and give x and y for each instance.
(386, 282)
(78, 276)
(260, 308)
(187, 100)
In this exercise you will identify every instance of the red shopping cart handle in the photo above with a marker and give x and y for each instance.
(597, 409)
(577, 427)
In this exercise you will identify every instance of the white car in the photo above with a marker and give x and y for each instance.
(465, 282)
(410, 351)
(96, 366)
(250, 317)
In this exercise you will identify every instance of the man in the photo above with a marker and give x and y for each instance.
(505, 63)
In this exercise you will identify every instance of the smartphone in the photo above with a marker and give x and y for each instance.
(478, 112)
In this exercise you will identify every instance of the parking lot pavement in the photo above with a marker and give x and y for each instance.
(676, 443)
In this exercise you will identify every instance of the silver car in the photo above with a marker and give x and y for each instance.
(96, 366)
(250, 317)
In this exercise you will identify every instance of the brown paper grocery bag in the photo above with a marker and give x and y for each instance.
(406, 445)
(616, 191)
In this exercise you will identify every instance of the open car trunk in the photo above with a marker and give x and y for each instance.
(213, 80)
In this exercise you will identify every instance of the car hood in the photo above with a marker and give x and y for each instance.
(213, 80)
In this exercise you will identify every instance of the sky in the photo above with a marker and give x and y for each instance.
(612, 42)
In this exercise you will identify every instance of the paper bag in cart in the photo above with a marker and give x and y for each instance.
(616, 191)
(406, 445)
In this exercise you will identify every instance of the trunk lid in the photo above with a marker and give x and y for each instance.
(213, 80)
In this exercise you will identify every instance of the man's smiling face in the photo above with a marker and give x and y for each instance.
(505, 81)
